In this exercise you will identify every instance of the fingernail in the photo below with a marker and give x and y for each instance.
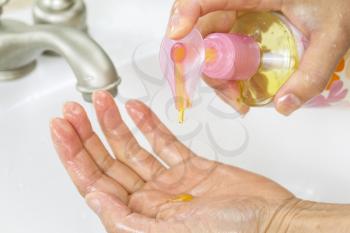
(174, 19)
(72, 108)
(173, 24)
(99, 98)
(60, 132)
(54, 132)
(131, 107)
(176, 24)
(288, 104)
(94, 204)
(58, 126)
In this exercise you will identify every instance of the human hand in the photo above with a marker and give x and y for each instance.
(328, 29)
(134, 192)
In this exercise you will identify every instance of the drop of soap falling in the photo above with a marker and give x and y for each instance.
(178, 55)
(181, 116)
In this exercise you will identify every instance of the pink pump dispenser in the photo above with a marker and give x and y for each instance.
(231, 56)
(219, 56)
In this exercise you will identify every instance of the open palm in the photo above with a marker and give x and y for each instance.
(135, 192)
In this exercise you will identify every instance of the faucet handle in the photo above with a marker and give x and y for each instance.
(70, 13)
(55, 6)
(2, 3)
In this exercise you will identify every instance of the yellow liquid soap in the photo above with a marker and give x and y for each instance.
(275, 38)
(182, 198)
(210, 55)
(181, 116)
(178, 55)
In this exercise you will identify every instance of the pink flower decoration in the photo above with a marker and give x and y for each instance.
(336, 94)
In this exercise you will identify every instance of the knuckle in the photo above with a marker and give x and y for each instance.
(137, 185)
(314, 83)
(137, 202)
(134, 201)
(107, 164)
(339, 36)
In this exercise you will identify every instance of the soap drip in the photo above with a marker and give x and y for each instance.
(178, 55)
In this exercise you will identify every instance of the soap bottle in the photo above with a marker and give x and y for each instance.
(261, 52)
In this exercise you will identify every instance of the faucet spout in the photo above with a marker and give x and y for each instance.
(21, 44)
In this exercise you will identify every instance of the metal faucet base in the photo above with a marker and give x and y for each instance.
(7, 75)
(22, 44)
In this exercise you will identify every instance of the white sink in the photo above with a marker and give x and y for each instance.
(308, 153)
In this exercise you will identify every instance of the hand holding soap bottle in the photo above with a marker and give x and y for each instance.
(260, 51)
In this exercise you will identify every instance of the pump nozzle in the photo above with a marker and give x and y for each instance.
(181, 62)
(219, 56)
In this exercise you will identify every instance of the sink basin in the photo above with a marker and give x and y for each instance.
(307, 153)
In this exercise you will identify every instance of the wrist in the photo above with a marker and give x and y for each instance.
(304, 216)
(320, 217)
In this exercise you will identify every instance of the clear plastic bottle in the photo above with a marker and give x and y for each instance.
(261, 52)
(281, 47)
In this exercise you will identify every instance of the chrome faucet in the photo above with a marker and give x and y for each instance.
(60, 12)
(22, 44)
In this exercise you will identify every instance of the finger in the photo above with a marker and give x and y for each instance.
(116, 216)
(163, 142)
(121, 140)
(191, 177)
(316, 68)
(219, 21)
(229, 91)
(185, 13)
(148, 202)
(175, 211)
(84, 173)
(77, 117)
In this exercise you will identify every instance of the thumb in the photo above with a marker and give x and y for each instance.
(186, 13)
(116, 216)
(316, 68)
